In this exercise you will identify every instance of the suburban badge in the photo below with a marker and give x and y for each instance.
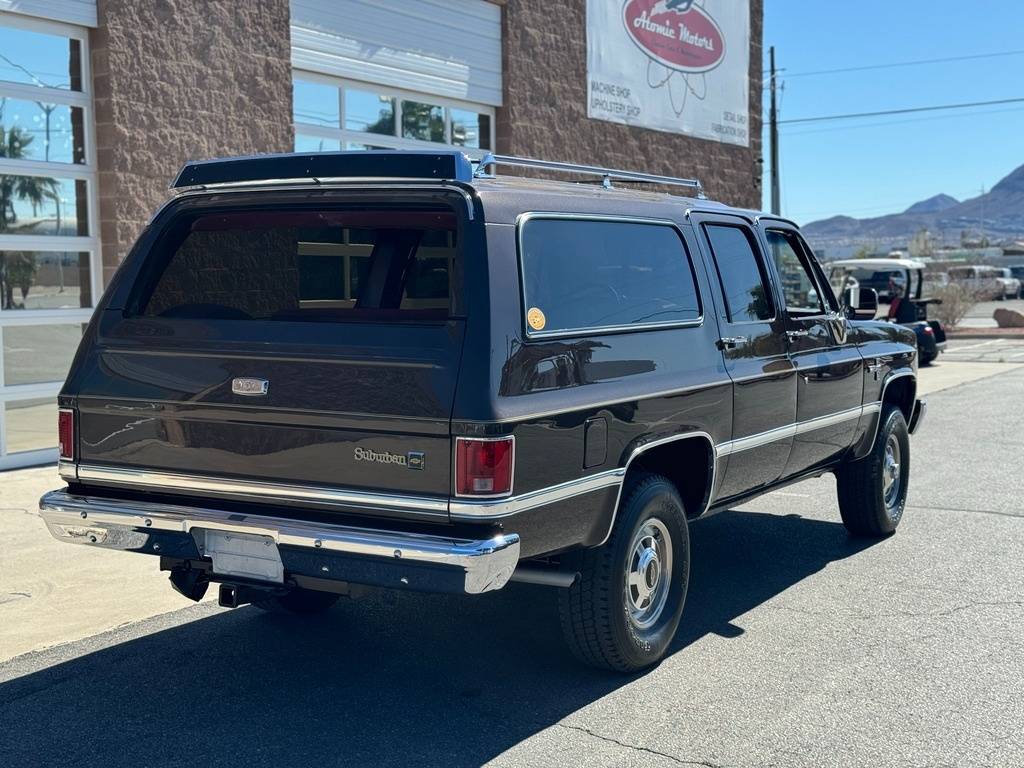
(245, 386)
(411, 460)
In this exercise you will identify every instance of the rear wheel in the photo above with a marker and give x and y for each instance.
(873, 490)
(623, 611)
(299, 601)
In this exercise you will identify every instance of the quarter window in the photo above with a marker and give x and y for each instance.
(583, 274)
(741, 273)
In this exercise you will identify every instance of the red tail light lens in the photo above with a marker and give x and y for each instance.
(66, 433)
(484, 467)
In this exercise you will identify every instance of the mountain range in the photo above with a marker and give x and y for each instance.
(999, 213)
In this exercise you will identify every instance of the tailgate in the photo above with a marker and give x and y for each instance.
(317, 349)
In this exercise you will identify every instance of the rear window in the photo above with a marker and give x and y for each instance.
(306, 265)
(583, 274)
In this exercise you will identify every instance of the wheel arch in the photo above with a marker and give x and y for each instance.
(899, 389)
(675, 457)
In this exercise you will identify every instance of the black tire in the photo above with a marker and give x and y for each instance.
(927, 358)
(299, 601)
(599, 624)
(870, 509)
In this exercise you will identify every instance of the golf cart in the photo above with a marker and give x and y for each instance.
(900, 281)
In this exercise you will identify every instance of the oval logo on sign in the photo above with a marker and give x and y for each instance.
(677, 33)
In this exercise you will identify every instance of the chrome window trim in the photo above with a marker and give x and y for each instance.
(520, 224)
(262, 491)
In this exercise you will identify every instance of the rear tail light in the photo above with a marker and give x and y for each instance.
(928, 329)
(483, 467)
(66, 433)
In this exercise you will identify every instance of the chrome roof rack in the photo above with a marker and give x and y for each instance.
(607, 174)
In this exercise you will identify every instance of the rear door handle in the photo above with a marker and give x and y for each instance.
(731, 342)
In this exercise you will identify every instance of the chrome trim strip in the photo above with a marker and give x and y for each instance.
(68, 470)
(261, 491)
(464, 508)
(792, 430)
(125, 525)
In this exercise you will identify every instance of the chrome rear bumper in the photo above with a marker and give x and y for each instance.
(157, 529)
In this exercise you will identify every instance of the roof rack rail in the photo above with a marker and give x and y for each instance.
(608, 174)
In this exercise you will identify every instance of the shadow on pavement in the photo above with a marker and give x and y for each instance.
(397, 679)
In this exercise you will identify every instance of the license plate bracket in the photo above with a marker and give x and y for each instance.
(243, 555)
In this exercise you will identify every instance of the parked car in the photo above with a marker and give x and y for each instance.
(1017, 271)
(398, 369)
(987, 283)
(908, 304)
(1013, 283)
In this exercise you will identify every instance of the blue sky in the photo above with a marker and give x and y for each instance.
(874, 166)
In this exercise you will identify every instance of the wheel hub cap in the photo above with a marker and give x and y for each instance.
(891, 478)
(648, 573)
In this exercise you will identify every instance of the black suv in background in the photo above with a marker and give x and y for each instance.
(398, 369)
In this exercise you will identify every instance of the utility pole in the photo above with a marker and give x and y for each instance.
(773, 137)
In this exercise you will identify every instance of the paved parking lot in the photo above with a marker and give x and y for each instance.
(799, 646)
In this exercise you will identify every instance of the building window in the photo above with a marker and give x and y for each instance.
(332, 114)
(49, 264)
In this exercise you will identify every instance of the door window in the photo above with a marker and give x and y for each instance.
(799, 289)
(741, 274)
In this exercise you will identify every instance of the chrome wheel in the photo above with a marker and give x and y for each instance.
(891, 477)
(648, 573)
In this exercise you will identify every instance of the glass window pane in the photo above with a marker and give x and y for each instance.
(34, 354)
(798, 288)
(315, 103)
(369, 112)
(32, 130)
(31, 424)
(307, 143)
(422, 121)
(44, 280)
(593, 274)
(470, 129)
(42, 205)
(741, 274)
(37, 58)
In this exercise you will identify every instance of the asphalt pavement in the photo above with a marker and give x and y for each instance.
(799, 647)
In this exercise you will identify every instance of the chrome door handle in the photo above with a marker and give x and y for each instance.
(731, 342)
(798, 334)
(874, 367)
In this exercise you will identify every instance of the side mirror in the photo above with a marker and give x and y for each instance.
(866, 307)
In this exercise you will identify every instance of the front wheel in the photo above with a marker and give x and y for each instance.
(624, 609)
(873, 490)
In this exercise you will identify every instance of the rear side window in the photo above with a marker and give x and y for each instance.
(589, 274)
(741, 273)
(306, 265)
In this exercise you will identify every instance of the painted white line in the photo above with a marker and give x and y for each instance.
(980, 344)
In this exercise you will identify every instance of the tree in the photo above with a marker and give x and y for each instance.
(18, 269)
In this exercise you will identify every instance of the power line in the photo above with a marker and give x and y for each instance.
(915, 63)
(883, 123)
(906, 111)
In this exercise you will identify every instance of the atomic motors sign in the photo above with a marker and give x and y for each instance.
(672, 65)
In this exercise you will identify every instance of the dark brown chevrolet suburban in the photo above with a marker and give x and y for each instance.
(400, 369)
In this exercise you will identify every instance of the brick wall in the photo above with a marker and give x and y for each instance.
(176, 80)
(545, 109)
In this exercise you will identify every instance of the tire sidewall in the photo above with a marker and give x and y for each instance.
(896, 425)
(660, 499)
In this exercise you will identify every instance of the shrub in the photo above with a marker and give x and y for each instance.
(957, 301)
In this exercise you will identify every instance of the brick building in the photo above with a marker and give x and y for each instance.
(101, 101)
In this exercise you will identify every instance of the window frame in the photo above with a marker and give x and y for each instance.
(807, 263)
(389, 141)
(760, 260)
(86, 172)
(531, 335)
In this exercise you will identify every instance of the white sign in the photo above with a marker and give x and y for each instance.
(672, 65)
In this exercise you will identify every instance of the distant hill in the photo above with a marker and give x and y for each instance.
(1000, 211)
(933, 204)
